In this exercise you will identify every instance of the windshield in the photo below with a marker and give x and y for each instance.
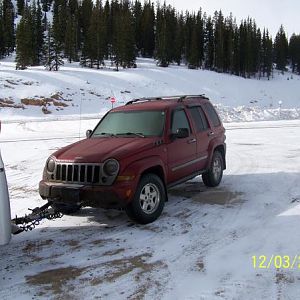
(129, 123)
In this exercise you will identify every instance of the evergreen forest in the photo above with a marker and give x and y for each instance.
(97, 33)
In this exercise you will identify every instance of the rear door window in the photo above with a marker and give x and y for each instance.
(199, 118)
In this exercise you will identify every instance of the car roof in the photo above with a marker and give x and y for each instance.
(159, 103)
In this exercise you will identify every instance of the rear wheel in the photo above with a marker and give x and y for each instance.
(148, 201)
(214, 175)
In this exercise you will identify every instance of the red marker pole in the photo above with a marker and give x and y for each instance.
(112, 100)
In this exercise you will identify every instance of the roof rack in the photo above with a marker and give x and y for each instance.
(179, 97)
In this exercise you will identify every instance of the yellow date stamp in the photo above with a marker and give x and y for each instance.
(276, 261)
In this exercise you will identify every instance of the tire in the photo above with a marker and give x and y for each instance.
(148, 201)
(66, 209)
(214, 174)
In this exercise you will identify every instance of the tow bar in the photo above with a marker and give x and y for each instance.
(29, 222)
(19, 224)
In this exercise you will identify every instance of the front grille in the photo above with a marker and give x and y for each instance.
(78, 173)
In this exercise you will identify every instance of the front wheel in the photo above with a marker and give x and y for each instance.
(214, 174)
(148, 201)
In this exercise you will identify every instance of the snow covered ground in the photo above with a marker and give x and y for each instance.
(200, 248)
(74, 90)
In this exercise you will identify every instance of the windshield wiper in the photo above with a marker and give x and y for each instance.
(104, 133)
(131, 133)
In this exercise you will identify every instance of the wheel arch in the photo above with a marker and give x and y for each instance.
(158, 171)
(221, 149)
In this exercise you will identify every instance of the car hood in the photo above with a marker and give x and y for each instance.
(96, 150)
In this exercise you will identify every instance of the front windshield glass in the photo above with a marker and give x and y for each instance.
(128, 123)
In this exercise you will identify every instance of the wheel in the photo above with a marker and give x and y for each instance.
(148, 201)
(214, 174)
(66, 209)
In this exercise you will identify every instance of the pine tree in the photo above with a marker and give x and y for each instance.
(209, 45)
(71, 37)
(53, 51)
(179, 40)
(137, 19)
(228, 44)
(85, 12)
(59, 21)
(236, 52)
(266, 56)
(165, 35)
(257, 44)
(96, 37)
(74, 10)
(8, 27)
(294, 52)
(281, 50)
(123, 44)
(219, 41)
(24, 40)
(161, 37)
(46, 4)
(2, 48)
(20, 6)
(147, 30)
(38, 33)
(107, 39)
(243, 49)
(128, 43)
(193, 58)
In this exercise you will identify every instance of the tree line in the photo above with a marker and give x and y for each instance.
(94, 32)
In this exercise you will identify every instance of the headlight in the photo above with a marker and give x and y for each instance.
(50, 165)
(111, 167)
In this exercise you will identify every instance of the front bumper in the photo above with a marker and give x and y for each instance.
(116, 196)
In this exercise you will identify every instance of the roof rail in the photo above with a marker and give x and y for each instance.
(179, 97)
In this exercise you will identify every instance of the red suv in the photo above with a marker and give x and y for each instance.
(135, 153)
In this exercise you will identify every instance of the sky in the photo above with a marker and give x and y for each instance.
(267, 13)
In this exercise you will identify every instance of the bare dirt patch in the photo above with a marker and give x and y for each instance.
(199, 193)
(136, 266)
(10, 103)
(36, 246)
(34, 102)
(55, 280)
(56, 100)
(113, 252)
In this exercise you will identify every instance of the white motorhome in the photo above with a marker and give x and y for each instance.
(5, 218)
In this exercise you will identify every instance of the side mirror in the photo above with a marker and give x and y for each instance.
(181, 133)
(88, 133)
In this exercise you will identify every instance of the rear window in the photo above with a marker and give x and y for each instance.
(212, 114)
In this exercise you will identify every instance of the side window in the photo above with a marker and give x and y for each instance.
(179, 120)
(212, 114)
(199, 118)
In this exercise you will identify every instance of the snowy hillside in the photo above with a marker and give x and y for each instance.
(37, 93)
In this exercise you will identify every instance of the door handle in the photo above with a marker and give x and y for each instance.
(192, 141)
(211, 133)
